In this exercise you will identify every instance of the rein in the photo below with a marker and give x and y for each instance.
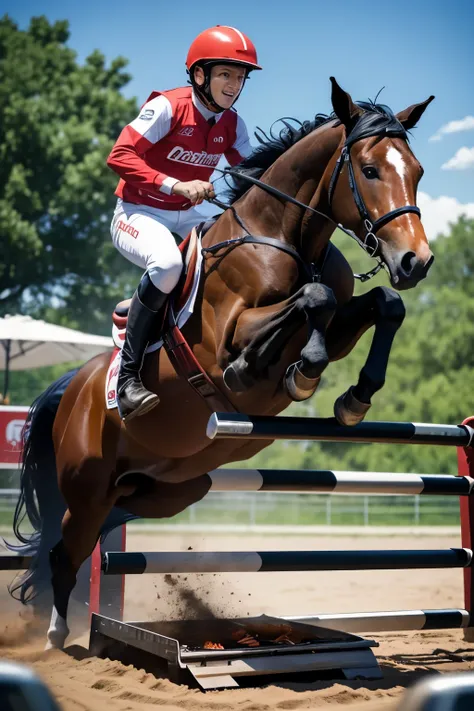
(370, 243)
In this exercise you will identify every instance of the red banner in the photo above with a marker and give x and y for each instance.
(12, 421)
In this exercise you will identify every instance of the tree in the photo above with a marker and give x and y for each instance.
(58, 121)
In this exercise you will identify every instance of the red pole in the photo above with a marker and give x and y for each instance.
(96, 565)
(122, 594)
(466, 468)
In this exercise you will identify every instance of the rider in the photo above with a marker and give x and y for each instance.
(165, 158)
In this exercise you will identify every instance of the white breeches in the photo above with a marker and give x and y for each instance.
(142, 235)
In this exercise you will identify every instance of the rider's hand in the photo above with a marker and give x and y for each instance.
(195, 190)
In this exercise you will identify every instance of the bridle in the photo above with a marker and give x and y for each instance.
(370, 243)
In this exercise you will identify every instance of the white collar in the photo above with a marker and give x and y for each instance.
(203, 110)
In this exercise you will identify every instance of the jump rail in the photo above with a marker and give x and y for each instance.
(116, 563)
(15, 562)
(388, 621)
(325, 481)
(236, 425)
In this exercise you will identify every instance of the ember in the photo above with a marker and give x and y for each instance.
(249, 634)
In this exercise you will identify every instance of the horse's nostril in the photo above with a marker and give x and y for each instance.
(408, 262)
(429, 263)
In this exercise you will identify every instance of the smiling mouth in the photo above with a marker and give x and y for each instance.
(231, 96)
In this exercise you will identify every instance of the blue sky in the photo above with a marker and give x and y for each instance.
(413, 48)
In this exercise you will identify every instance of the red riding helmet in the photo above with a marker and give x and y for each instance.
(222, 43)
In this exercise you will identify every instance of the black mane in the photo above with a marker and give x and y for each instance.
(377, 118)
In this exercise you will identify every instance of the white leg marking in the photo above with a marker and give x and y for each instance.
(58, 631)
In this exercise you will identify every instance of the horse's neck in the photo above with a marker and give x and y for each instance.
(300, 173)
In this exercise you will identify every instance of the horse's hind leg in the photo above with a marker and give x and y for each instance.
(383, 308)
(85, 441)
(80, 531)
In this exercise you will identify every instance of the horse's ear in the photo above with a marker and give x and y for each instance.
(410, 117)
(344, 108)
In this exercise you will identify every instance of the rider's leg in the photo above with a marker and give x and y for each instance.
(144, 315)
(149, 244)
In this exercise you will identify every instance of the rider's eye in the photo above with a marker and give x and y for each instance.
(370, 173)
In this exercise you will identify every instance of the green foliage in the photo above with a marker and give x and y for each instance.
(27, 385)
(58, 121)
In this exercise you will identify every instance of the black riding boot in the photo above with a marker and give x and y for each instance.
(133, 398)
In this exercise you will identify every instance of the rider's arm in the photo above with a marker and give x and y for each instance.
(241, 148)
(126, 157)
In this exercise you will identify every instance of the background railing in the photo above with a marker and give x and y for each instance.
(265, 508)
(269, 508)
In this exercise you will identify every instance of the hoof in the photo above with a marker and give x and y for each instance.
(236, 382)
(58, 631)
(348, 411)
(50, 645)
(55, 641)
(297, 385)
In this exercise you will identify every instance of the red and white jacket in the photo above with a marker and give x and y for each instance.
(171, 141)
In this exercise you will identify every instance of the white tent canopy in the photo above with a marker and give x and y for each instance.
(31, 343)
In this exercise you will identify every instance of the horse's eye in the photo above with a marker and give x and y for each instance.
(370, 172)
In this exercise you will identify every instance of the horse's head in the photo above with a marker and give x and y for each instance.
(373, 187)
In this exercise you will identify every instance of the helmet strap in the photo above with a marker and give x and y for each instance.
(203, 91)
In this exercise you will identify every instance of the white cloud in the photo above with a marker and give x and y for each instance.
(461, 160)
(465, 124)
(437, 213)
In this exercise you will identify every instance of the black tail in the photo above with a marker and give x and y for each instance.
(40, 500)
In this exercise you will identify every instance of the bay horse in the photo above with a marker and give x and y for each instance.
(264, 328)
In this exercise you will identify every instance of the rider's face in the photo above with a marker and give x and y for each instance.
(226, 83)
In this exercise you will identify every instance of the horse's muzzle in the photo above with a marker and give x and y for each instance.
(408, 269)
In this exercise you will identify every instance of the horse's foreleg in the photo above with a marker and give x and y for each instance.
(302, 378)
(263, 333)
(383, 308)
